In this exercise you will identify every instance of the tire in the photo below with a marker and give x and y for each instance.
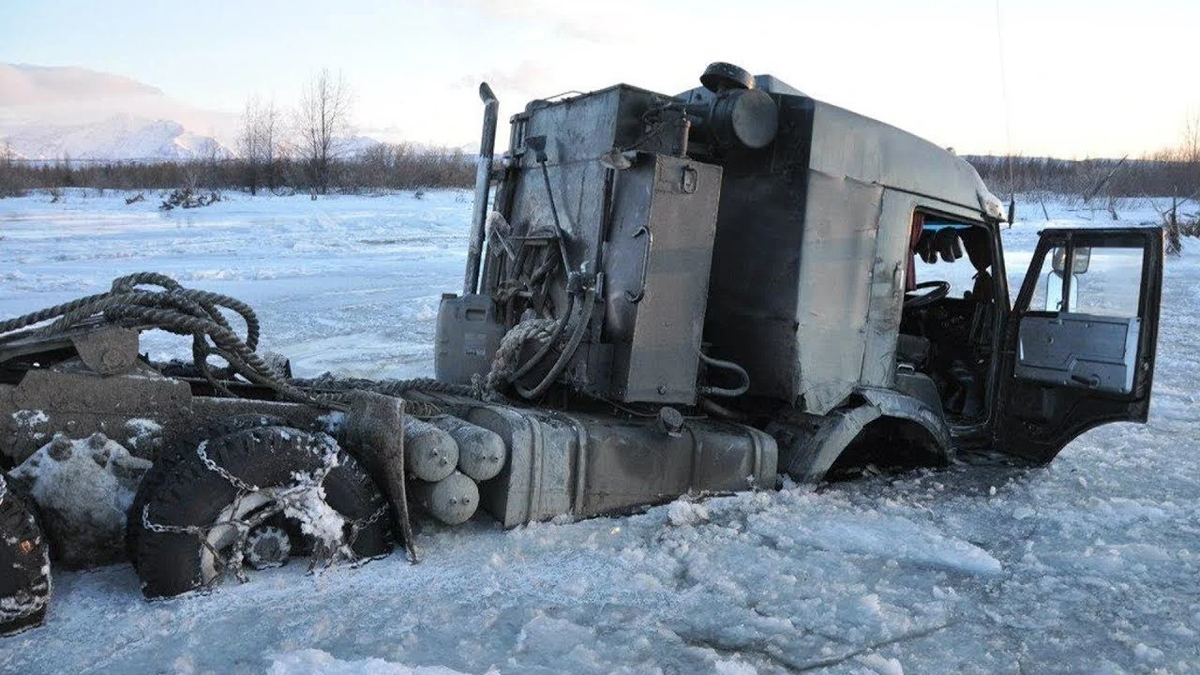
(192, 494)
(24, 566)
(183, 449)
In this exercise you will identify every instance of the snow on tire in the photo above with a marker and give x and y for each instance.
(203, 510)
(24, 566)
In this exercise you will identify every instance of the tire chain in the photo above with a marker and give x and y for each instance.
(278, 498)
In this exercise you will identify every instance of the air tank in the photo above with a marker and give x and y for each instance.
(481, 453)
(430, 453)
(452, 500)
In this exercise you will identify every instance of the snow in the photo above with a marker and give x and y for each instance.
(83, 487)
(1087, 565)
(317, 662)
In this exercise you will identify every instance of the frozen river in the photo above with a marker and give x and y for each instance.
(1091, 564)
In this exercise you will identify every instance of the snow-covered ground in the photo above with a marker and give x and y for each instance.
(1091, 564)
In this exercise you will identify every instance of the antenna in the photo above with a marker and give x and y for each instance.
(1012, 186)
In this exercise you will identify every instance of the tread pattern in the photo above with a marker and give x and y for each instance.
(24, 567)
(193, 495)
(183, 449)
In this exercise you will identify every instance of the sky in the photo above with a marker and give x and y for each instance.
(1077, 78)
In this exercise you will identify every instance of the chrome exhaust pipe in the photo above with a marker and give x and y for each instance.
(483, 173)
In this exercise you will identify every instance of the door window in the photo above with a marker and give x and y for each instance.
(1111, 283)
(1105, 281)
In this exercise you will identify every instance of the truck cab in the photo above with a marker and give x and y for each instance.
(744, 251)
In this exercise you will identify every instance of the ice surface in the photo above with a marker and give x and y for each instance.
(317, 662)
(1087, 565)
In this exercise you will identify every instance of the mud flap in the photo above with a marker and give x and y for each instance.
(375, 430)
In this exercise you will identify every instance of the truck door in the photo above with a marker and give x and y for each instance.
(1078, 347)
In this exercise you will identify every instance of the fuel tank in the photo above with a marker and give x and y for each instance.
(585, 464)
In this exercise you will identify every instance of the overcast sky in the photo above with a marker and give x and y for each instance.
(1084, 78)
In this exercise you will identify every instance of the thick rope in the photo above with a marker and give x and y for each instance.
(507, 355)
(174, 309)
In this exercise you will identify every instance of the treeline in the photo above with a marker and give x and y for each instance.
(404, 167)
(1147, 177)
(386, 167)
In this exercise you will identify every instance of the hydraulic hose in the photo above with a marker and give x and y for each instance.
(725, 365)
(585, 316)
(545, 349)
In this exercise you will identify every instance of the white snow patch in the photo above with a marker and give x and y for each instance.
(30, 418)
(332, 422)
(318, 662)
(889, 537)
(684, 512)
(881, 665)
(78, 482)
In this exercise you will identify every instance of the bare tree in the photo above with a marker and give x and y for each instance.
(258, 143)
(323, 117)
(1190, 150)
(8, 174)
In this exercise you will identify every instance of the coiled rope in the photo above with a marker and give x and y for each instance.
(149, 300)
(152, 300)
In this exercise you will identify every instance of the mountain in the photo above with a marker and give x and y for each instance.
(49, 112)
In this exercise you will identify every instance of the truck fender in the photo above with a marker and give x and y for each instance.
(810, 446)
(903, 406)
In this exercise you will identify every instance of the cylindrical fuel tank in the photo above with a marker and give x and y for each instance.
(452, 500)
(430, 453)
(481, 453)
(590, 464)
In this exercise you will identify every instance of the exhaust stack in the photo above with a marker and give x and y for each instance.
(483, 172)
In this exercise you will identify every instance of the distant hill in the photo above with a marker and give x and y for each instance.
(53, 112)
(50, 112)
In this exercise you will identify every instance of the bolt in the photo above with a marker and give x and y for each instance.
(113, 358)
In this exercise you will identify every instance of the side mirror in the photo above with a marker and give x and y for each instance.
(1054, 292)
(1083, 256)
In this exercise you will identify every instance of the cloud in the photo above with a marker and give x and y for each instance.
(23, 84)
(525, 77)
(605, 23)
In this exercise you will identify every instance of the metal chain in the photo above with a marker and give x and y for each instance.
(212, 465)
(278, 500)
(357, 526)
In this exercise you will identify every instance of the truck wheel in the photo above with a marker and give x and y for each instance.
(183, 448)
(24, 566)
(191, 542)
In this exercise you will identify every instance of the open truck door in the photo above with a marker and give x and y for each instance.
(1079, 345)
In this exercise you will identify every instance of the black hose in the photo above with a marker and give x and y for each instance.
(562, 237)
(585, 316)
(717, 410)
(545, 349)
